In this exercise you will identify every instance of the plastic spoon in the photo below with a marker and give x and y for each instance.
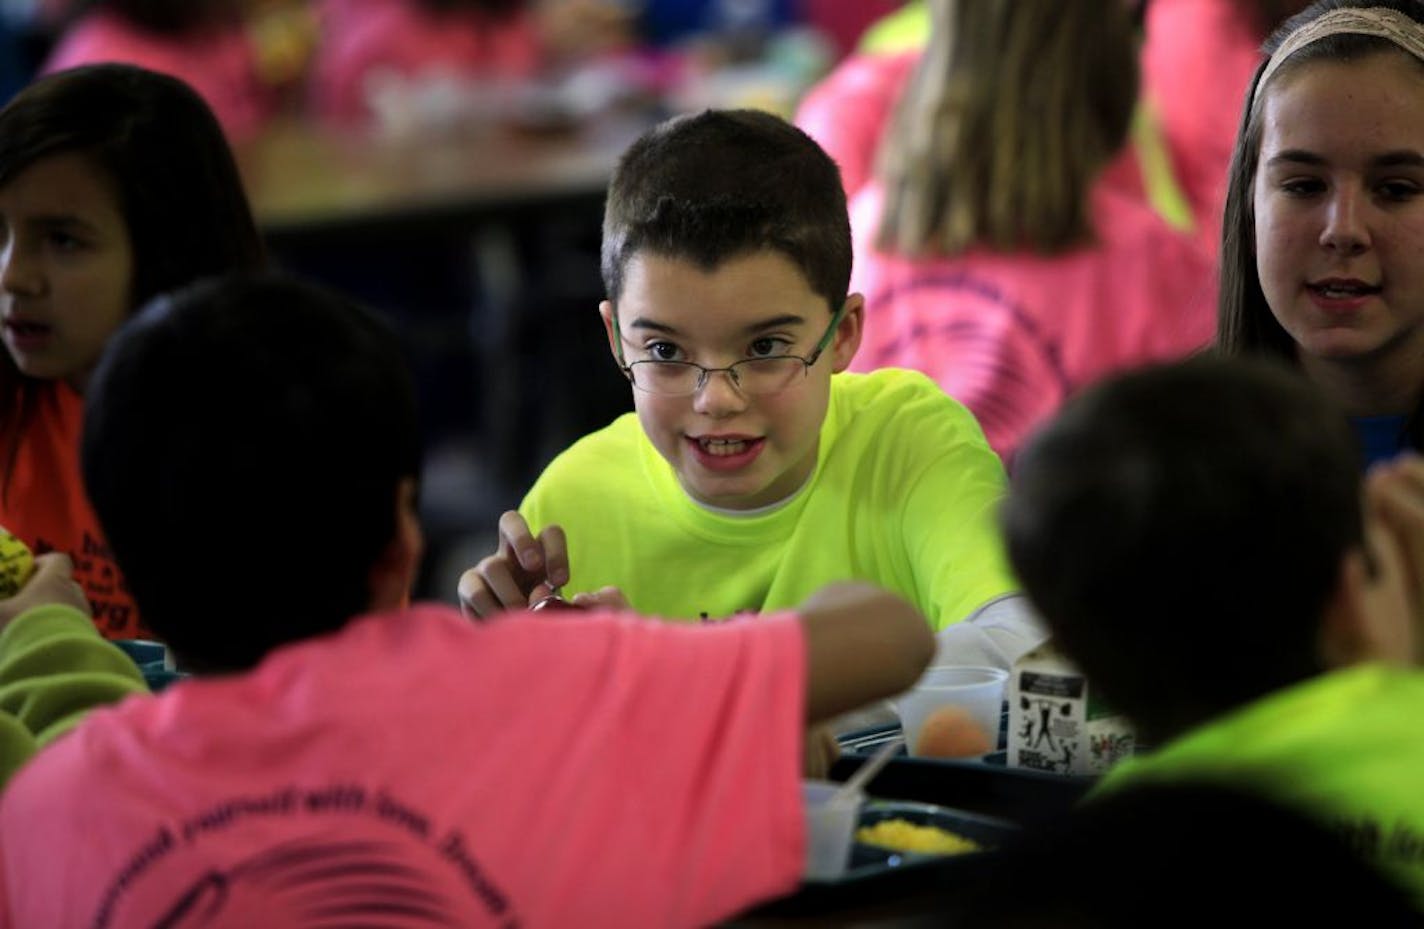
(868, 769)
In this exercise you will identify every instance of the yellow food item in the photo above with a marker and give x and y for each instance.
(16, 564)
(901, 835)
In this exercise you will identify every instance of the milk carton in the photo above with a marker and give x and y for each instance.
(1055, 721)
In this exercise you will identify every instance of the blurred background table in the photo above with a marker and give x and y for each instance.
(305, 181)
(481, 246)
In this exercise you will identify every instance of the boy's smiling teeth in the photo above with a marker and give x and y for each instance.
(716, 446)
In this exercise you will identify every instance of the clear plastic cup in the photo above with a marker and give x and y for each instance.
(830, 828)
(978, 691)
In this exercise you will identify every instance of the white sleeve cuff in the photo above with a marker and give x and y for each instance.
(997, 634)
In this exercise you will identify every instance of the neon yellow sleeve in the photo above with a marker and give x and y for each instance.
(54, 668)
(949, 520)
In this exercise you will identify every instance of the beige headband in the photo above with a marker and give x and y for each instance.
(1378, 21)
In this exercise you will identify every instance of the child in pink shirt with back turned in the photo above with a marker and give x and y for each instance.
(250, 448)
(991, 254)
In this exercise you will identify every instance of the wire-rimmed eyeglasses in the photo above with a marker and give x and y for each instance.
(754, 377)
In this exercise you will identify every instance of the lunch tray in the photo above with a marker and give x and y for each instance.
(981, 800)
(873, 873)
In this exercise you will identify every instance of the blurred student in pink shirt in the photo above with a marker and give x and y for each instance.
(340, 753)
(205, 43)
(1197, 60)
(487, 40)
(849, 113)
(992, 253)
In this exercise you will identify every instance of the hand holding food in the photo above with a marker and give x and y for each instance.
(509, 579)
(52, 581)
(1394, 536)
(16, 564)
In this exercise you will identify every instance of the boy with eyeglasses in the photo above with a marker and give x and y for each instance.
(754, 471)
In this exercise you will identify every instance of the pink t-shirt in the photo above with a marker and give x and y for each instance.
(592, 770)
(220, 65)
(1012, 335)
(1197, 64)
(399, 36)
(850, 110)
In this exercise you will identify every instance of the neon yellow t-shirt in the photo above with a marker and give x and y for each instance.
(904, 495)
(1345, 747)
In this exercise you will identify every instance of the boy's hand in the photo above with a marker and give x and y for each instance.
(1394, 500)
(523, 570)
(52, 582)
(862, 644)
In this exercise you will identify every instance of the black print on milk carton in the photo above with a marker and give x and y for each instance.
(1055, 722)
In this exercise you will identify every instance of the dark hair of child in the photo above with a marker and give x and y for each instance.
(1245, 324)
(722, 184)
(176, 182)
(1171, 506)
(244, 442)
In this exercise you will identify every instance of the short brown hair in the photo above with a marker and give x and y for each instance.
(722, 183)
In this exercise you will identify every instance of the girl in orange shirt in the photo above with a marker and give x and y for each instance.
(116, 185)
